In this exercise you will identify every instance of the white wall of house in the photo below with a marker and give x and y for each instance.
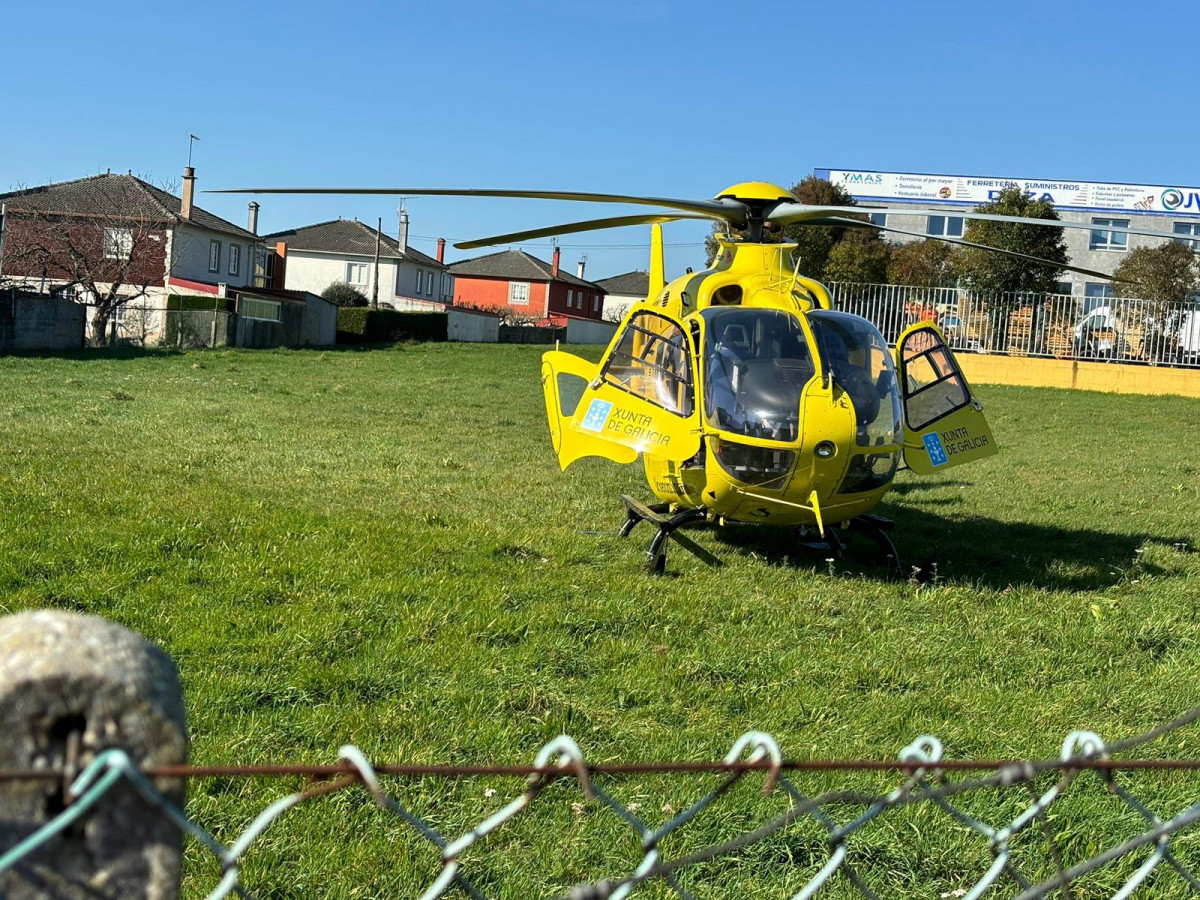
(398, 280)
(190, 256)
(424, 282)
(307, 271)
(614, 303)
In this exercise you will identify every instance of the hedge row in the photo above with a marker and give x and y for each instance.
(363, 325)
(206, 303)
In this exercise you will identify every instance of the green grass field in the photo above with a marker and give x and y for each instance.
(377, 547)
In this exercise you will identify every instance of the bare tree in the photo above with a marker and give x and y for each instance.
(104, 237)
(616, 313)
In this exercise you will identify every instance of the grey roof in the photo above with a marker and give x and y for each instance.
(349, 237)
(123, 196)
(515, 264)
(635, 284)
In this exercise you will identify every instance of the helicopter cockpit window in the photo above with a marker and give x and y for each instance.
(652, 361)
(935, 387)
(857, 356)
(756, 364)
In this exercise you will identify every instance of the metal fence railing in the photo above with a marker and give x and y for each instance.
(1057, 326)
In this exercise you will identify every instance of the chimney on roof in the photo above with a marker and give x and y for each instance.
(582, 265)
(554, 261)
(189, 192)
(403, 230)
(252, 218)
(441, 257)
(280, 274)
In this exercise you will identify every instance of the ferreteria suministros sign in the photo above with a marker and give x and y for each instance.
(971, 190)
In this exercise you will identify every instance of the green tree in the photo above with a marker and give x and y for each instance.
(1168, 273)
(814, 243)
(982, 270)
(341, 294)
(858, 262)
(924, 264)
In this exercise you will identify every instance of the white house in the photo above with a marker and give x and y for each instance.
(315, 256)
(623, 291)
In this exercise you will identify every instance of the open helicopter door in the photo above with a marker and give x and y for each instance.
(640, 398)
(943, 423)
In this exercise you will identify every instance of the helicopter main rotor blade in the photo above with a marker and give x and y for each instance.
(802, 214)
(949, 240)
(730, 210)
(574, 227)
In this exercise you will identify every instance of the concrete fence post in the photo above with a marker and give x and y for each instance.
(72, 686)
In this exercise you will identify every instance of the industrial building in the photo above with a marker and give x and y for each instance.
(1170, 208)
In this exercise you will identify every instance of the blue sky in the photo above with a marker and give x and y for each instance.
(660, 97)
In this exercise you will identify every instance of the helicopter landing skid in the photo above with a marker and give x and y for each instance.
(874, 527)
(659, 514)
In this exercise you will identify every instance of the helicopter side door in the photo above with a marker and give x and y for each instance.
(943, 422)
(640, 398)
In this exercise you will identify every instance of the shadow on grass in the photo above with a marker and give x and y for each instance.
(974, 550)
(96, 354)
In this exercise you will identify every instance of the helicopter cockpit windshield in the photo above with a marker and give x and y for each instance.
(855, 353)
(756, 364)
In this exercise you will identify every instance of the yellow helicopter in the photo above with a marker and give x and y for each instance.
(747, 395)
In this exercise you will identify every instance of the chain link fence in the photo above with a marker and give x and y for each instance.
(1030, 842)
(1057, 326)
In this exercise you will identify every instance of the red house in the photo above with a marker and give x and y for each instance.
(512, 281)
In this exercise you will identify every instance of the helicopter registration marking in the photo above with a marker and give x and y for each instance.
(597, 415)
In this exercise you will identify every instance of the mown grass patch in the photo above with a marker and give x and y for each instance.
(377, 547)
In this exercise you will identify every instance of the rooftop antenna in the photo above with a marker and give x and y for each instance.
(191, 140)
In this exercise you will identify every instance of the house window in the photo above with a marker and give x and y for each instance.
(879, 219)
(118, 243)
(1191, 229)
(214, 256)
(596, 304)
(235, 259)
(518, 293)
(1096, 294)
(445, 285)
(260, 310)
(570, 299)
(1064, 287)
(945, 226)
(428, 284)
(1110, 240)
(420, 280)
(356, 274)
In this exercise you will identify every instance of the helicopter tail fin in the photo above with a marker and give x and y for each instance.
(658, 275)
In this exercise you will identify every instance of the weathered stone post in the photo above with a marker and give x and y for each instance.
(70, 687)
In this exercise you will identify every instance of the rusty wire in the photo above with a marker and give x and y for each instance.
(921, 764)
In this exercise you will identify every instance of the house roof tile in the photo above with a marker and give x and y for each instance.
(349, 237)
(123, 196)
(515, 264)
(634, 283)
